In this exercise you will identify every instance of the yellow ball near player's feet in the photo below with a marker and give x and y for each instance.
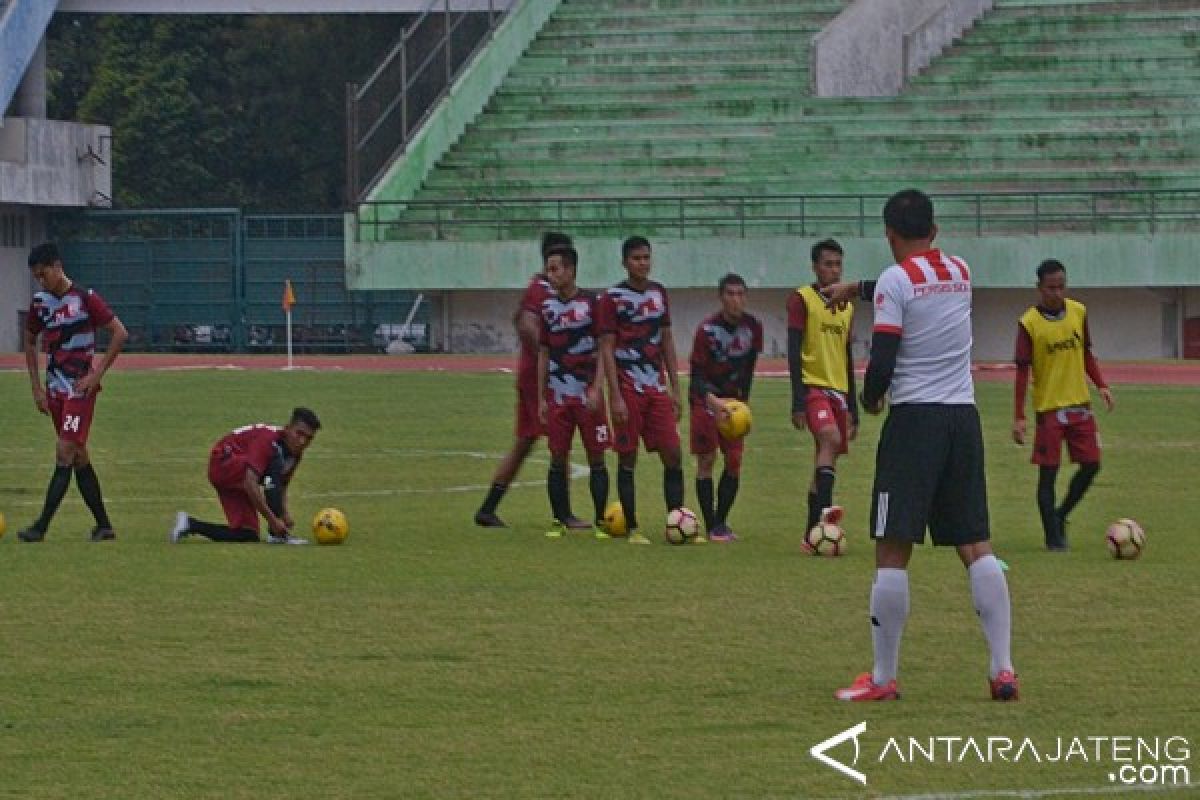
(330, 526)
(614, 520)
(737, 422)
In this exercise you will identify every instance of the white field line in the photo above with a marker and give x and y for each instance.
(1036, 794)
(577, 471)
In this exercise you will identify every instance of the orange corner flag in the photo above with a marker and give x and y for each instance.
(289, 296)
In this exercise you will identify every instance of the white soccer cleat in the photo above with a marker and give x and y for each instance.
(180, 528)
(289, 539)
(832, 515)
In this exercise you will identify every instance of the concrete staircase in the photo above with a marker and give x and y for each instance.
(663, 98)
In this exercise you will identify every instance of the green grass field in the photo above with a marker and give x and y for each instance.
(429, 658)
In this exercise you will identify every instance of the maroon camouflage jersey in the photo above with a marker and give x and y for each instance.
(259, 447)
(636, 319)
(569, 334)
(723, 357)
(69, 326)
(531, 301)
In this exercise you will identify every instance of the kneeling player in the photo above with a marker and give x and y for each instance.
(571, 397)
(251, 468)
(724, 352)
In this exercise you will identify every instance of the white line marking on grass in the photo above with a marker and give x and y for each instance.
(577, 471)
(1035, 794)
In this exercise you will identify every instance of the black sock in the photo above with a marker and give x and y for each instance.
(59, 482)
(704, 494)
(494, 495)
(823, 479)
(89, 487)
(1045, 501)
(220, 533)
(814, 511)
(673, 487)
(556, 488)
(598, 483)
(726, 493)
(1080, 482)
(627, 494)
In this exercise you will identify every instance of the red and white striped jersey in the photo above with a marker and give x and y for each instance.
(927, 301)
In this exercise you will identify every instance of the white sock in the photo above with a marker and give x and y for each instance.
(889, 610)
(989, 590)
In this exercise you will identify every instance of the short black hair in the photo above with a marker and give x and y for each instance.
(307, 416)
(568, 254)
(1050, 266)
(910, 214)
(730, 279)
(44, 254)
(553, 239)
(633, 243)
(826, 244)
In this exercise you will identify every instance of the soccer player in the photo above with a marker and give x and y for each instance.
(821, 367)
(251, 468)
(724, 351)
(929, 466)
(67, 316)
(1053, 340)
(638, 355)
(572, 396)
(526, 320)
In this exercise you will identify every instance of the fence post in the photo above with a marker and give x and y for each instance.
(351, 144)
(404, 90)
(237, 330)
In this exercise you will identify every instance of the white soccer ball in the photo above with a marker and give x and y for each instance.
(1125, 539)
(682, 526)
(825, 539)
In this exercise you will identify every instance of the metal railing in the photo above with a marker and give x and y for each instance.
(742, 216)
(383, 113)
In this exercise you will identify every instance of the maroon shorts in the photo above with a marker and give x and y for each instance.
(226, 471)
(705, 439)
(1077, 426)
(825, 407)
(563, 419)
(651, 419)
(528, 424)
(72, 415)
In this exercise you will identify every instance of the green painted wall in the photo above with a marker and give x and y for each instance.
(997, 261)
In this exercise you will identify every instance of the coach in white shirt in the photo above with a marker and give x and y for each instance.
(929, 467)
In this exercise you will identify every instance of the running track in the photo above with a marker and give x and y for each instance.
(1176, 373)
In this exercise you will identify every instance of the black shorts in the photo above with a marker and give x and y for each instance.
(929, 473)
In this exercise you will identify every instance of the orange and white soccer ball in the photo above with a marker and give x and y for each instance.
(682, 526)
(1125, 539)
(330, 526)
(824, 539)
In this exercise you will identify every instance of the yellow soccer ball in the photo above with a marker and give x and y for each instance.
(738, 422)
(330, 526)
(614, 520)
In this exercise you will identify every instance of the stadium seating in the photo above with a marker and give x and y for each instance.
(659, 98)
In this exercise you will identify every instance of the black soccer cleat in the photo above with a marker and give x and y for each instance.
(99, 534)
(31, 534)
(488, 520)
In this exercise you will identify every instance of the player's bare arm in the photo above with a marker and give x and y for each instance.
(527, 324)
(608, 360)
(672, 364)
(543, 375)
(31, 363)
(117, 338)
(595, 391)
(252, 485)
